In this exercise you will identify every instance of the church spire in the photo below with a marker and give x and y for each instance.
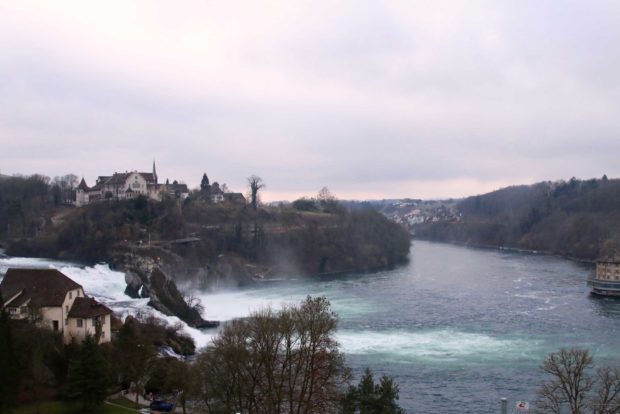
(154, 172)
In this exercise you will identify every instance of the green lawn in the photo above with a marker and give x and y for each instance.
(62, 407)
(125, 402)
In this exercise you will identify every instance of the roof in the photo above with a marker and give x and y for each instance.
(177, 187)
(87, 308)
(103, 178)
(46, 287)
(19, 300)
(83, 185)
(121, 178)
(215, 190)
(236, 197)
(117, 179)
(611, 257)
(149, 177)
(96, 187)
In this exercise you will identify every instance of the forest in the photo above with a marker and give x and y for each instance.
(574, 218)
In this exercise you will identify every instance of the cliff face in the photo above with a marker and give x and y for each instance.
(145, 279)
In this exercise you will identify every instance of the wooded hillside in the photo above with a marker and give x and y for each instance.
(578, 218)
(200, 234)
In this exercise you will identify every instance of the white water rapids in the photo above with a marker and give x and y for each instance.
(108, 286)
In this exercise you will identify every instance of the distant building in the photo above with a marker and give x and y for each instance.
(128, 185)
(235, 198)
(607, 278)
(215, 193)
(52, 300)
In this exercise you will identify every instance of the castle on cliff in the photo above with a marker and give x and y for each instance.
(128, 185)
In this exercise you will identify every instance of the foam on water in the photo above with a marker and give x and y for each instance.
(225, 306)
(32, 262)
(108, 287)
(443, 345)
(99, 281)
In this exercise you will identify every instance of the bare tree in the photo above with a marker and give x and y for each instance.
(194, 302)
(607, 398)
(576, 386)
(276, 362)
(256, 183)
(571, 381)
(327, 200)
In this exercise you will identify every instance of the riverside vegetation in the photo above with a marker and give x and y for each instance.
(271, 362)
(578, 218)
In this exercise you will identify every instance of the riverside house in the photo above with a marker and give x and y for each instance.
(607, 278)
(50, 299)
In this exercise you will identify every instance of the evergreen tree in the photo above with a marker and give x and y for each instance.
(204, 183)
(87, 380)
(11, 374)
(371, 398)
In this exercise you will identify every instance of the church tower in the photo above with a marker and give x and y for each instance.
(154, 172)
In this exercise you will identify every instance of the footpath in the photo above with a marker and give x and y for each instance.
(143, 402)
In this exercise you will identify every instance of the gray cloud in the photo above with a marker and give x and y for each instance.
(374, 99)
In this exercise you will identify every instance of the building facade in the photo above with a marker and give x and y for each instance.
(128, 185)
(52, 300)
(607, 277)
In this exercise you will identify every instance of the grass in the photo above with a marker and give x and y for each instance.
(125, 402)
(63, 407)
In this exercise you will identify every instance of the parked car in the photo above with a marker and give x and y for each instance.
(161, 406)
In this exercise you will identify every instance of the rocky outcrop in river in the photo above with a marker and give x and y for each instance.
(145, 279)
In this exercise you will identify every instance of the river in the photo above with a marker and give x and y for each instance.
(458, 328)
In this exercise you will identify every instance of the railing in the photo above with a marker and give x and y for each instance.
(604, 284)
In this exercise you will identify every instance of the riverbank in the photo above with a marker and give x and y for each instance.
(509, 249)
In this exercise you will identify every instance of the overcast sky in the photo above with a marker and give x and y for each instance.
(374, 99)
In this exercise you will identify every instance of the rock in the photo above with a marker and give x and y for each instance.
(145, 279)
(134, 285)
(166, 298)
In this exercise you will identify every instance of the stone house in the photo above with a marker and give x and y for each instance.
(50, 299)
(607, 278)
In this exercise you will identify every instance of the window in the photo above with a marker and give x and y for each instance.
(66, 322)
(79, 323)
(24, 309)
(70, 295)
(12, 311)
